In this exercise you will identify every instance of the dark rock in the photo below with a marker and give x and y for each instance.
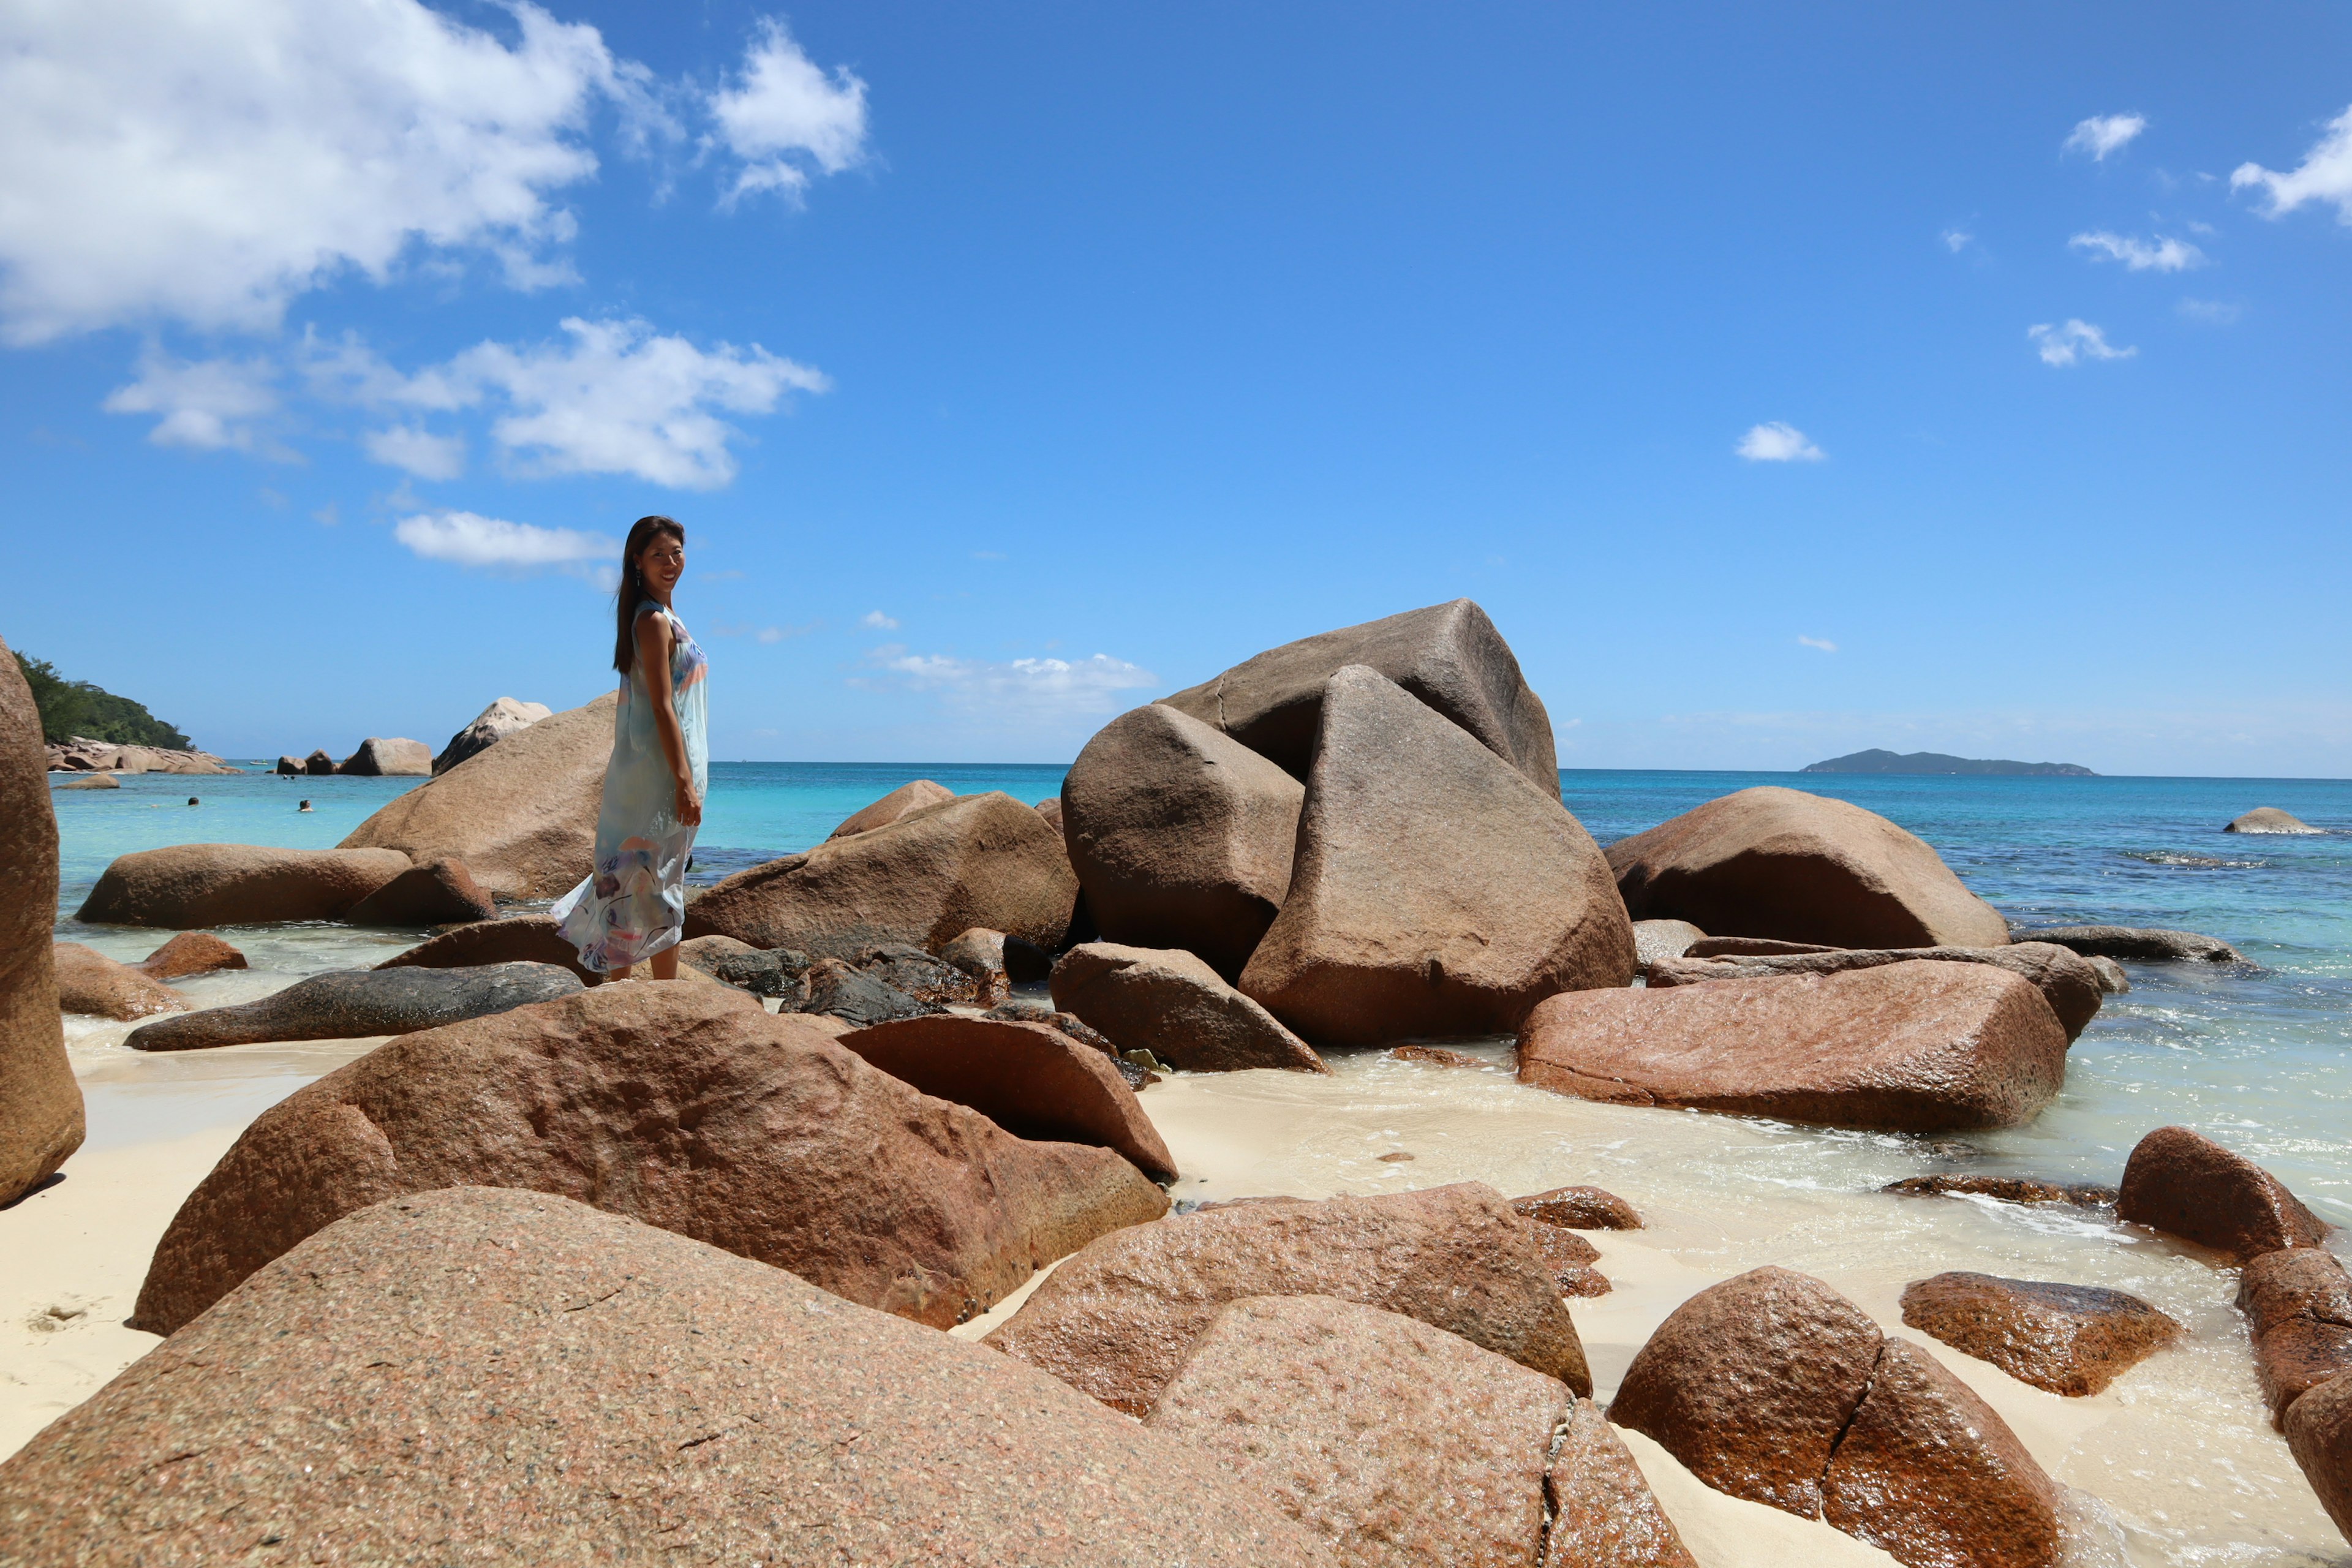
(2298, 1307)
(2141, 945)
(686, 1105)
(938, 871)
(1435, 893)
(93, 985)
(2270, 819)
(1180, 835)
(352, 1003)
(476, 1373)
(1914, 1046)
(1775, 862)
(491, 725)
(2067, 982)
(2186, 1184)
(981, 954)
(852, 995)
(1449, 657)
(2112, 978)
(521, 815)
(517, 939)
(925, 978)
(40, 1100)
(2319, 1434)
(1117, 1321)
(1397, 1444)
(317, 764)
(291, 767)
(190, 953)
(1175, 1007)
(908, 797)
(380, 758)
(1577, 1208)
(1603, 1513)
(2007, 1189)
(1030, 1079)
(1750, 947)
(2072, 1340)
(1438, 1055)
(1654, 940)
(192, 885)
(439, 891)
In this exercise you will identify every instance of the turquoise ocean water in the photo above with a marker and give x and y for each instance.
(2260, 1056)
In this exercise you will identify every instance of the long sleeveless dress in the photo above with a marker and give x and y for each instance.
(634, 905)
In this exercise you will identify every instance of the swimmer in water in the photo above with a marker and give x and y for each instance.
(306, 805)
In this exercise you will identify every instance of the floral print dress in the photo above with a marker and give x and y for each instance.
(634, 905)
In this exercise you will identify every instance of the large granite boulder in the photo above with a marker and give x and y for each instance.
(913, 795)
(190, 953)
(2319, 1434)
(1174, 1005)
(1917, 1047)
(381, 758)
(1397, 1444)
(517, 939)
(2184, 1183)
(476, 1374)
(491, 725)
(351, 1003)
(1117, 1321)
(2072, 1340)
(2270, 819)
(290, 767)
(40, 1102)
(2142, 944)
(1448, 656)
(1603, 1515)
(1032, 1080)
(93, 985)
(438, 891)
(1180, 835)
(933, 874)
(2298, 1307)
(685, 1105)
(521, 815)
(318, 764)
(1777, 862)
(1435, 891)
(185, 886)
(2065, 979)
(1773, 1387)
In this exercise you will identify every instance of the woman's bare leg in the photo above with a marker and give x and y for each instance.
(620, 974)
(665, 963)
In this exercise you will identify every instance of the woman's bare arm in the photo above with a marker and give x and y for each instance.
(653, 658)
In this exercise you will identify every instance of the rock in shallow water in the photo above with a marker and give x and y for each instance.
(2072, 1340)
(351, 1003)
(2141, 944)
(91, 983)
(1579, 1208)
(192, 885)
(190, 953)
(2298, 1307)
(2182, 1182)
(2007, 1189)
(2067, 981)
(2270, 819)
(2319, 1434)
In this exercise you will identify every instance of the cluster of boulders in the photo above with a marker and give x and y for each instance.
(397, 757)
(82, 756)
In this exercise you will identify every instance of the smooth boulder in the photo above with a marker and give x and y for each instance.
(1032, 1080)
(187, 886)
(1449, 657)
(1177, 1008)
(91, 983)
(2141, 944)
(2070, 1339)
(438, 891)
(907, 797)
(2319, 1436)
(1654, 940)
(1180, 835)
(190, 953)
(936, 872)
(1776, 862)
(41, 1118)
(474, 1373)
(521, 815)
(1117, 1320)
(2066, 980)
(351, 1003)
(517, 939)
(491, 725)
(2182, 1182)
(1435, 891)
(686, 1105)
(1914, 1047)
(378, 757)
(1603, 1513)
(2270, 819)
(1577, 1208)
(2298, 1308)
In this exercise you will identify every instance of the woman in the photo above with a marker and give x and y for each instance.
(633, 907)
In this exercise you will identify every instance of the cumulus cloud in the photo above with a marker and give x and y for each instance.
(2164, 256)
(2324, 175)
(1822, 643)
(1022, 692)
(782, 115)
(1778, 442)
(2073, 342)
(2105, 133)
(209, 405)
(418, 451)
(469, 539)
(878, 621)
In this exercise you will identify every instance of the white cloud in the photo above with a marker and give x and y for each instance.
(2164, 256)
(2212, 312)
(1958, 239)
(878, 621)
(419, 452)
(2324, 175)
(2074, 342)
(782, 115)
(2105, 133)
(207, 405)
(1025, 691)
(1778, 442)
(469, 539)
(1822, 643)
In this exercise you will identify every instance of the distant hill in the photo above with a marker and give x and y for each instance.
(1877, 762)
(71, 708)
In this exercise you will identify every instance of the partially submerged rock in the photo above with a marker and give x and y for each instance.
(438, 892)
(1775, 862)
(2070, 1339)
(2007, 1189)
(2066, 981)
(684, 1105)
(2298, 1307)
(93, 983)
(2141, 944)
(491, 725)
(378, 757)
(95, 781)
(1577, 1208)
(2319, 1434)
(1117, 1321)
(1175, 1007)
(351, 1003)
(2112, 978)
(517, 939)
(1914, 1046)
(2184, 1183)
(40, 1100)
(190, 953)
(908, 797)
(2270, 819)
(649, 1398)
(1435, 891)
(190, 885)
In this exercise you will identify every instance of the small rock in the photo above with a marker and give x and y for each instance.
(2186, 1184)
(2112, 978)
(381, 758)
(517, 939)
(2007, 1189)
(491, 725)
(1654, 940)
(1436, 1054)
(2298, 1306)
(2072, 1340)
(2319, 1436)
(1603, 1513)
(2270, 819)
(1577, 1208)
(2141, 944)
(91, 983)
(347, 1004)
(190, 953)
(96, 780)
(438, 891)
(908, 797)
(841, 991)
(1176, 1006)
(706, 953)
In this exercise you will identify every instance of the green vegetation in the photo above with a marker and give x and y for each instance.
(70, 707)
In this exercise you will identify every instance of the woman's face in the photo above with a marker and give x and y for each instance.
(662, 563)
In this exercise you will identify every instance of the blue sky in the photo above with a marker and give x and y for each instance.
(1783, 382)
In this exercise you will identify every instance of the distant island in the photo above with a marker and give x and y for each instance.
(74, 709)
(1878, 761)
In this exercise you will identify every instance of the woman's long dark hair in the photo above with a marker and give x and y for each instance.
(632, 592)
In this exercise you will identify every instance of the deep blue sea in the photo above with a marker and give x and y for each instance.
(2260, 1056)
